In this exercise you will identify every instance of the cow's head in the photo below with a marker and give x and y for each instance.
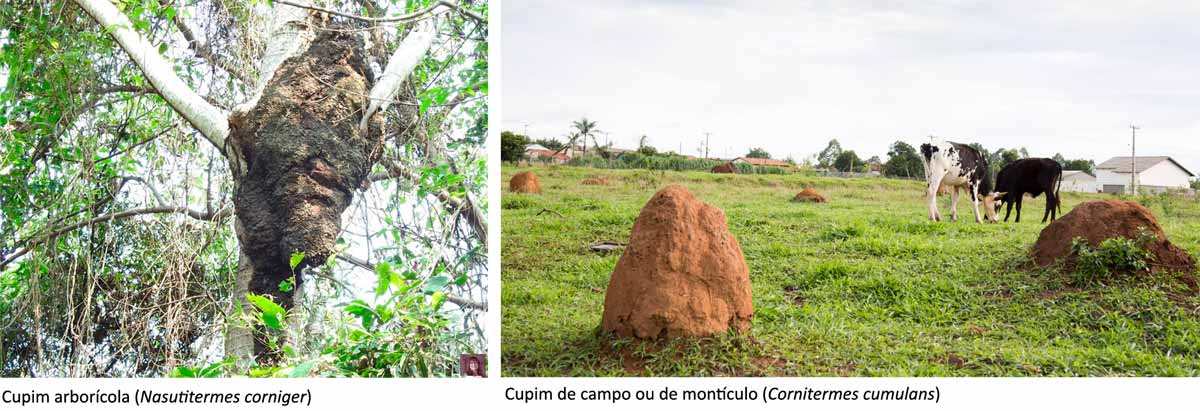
(991, 206)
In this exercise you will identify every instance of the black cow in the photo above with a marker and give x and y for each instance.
(1033, 176)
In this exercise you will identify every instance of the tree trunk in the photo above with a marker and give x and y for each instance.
(239, 341)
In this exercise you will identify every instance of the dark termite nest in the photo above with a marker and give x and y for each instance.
(305, 154)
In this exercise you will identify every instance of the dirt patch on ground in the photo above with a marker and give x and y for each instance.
(847, 369)
(1097, 221)
(794, 293)
(525, 182)
(596, 181)
(809, 195)
(952, 359)
(682, 274)
(727, 168)
(627, 356)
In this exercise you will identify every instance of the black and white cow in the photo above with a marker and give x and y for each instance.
(958, 167)
(1028, 175)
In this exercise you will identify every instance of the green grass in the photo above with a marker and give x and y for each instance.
(863, 285)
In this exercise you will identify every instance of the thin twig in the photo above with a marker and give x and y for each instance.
(403, 18)
(547, 210)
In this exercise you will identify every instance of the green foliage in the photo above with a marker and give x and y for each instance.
(550, 143)
(1113, 255)
(295, 260)
(1085, 165)
(665, 162)
(512, 146)
(269, 313)
(403, 333)
(829, 155)
(209, 371)
(848, 161)
(758, 153)
(83, 135)
(903, 161)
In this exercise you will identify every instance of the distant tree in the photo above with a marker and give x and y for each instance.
(758, 153)
(874, 160)
(903, 161)
(1196, 184)
(550, 143)
(1023, 152)
(512, 146)
(1080, 164)
(826, 157)
(1008, 156)
(847, 161)
(643, 141)
(584, 129)
(647, 150)
(1058, 157)
(994, 158)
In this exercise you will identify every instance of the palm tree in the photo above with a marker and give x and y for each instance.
(585, 128)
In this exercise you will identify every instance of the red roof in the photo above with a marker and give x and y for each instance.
(548, 153)
(764, 161)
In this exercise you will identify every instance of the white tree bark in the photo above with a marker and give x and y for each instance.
(287, 34)
(208, 119)
(400, 65)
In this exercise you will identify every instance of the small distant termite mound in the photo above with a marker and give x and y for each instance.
(727, 168)
(809, 195)
(525, 182)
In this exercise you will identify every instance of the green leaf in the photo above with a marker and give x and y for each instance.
(360, 309)
(436, 283)
(297, 257)
(439, 298)
(272, 314)
(214, 370)
(302, 370)
(162, 48)
(183, 372)
(384, 271)
(287, 285)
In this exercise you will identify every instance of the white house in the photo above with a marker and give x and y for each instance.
(1078, 181)
(1154, 174)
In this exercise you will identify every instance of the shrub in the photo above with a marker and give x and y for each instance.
(1113, 255)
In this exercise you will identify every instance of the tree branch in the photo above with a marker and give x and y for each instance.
(470, 212)
(29, 244)
(205, 52)
(400, 65)
(212, 123)
(403, 18)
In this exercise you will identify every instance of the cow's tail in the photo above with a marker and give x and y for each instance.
(1057, 196)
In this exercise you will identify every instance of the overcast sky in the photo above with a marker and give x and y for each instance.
(789, 75)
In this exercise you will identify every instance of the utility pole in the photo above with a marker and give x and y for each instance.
(1133, 171)
(526, 130)
(706, 145)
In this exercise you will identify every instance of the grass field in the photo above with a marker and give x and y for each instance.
(862, 286)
